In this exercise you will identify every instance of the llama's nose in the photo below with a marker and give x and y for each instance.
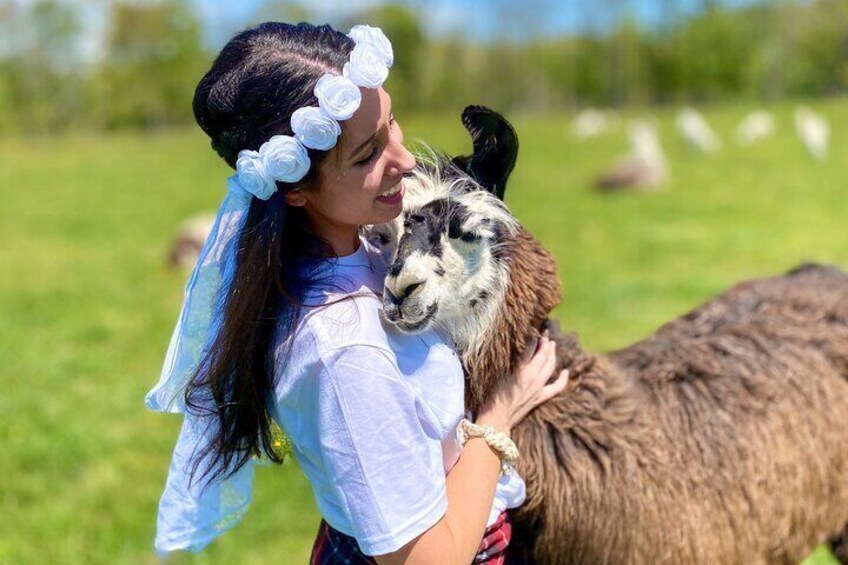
(394, 299)
(391, 311)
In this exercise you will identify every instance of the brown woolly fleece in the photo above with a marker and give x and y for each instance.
(722, 438)
(525, 309)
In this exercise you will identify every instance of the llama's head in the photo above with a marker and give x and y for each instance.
(447, 244)
(462, 263)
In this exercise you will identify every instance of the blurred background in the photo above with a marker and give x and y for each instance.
(669, 149)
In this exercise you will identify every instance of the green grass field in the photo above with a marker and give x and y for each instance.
(88, 305)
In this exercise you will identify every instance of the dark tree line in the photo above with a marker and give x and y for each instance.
(154, 55)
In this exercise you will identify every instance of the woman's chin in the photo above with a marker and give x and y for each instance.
(386, 213)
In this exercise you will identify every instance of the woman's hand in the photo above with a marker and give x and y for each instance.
(519, 394)
(471, 483)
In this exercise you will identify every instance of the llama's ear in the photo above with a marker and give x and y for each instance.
(495, 149)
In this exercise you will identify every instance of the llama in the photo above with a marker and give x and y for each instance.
(754, 127)
(591, 123)
(814, 131)
(722, 438)
(644, 168)
(191, 236)
(696, 131)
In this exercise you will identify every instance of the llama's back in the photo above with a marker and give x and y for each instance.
(750, 395)
(787, 321)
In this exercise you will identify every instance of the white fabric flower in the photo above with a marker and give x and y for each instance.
(376, 37)
(314, 129)
(253, 175)
(285, 158)
(367, 66)
(337, 96)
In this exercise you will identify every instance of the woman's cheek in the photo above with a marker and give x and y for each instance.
(374, 178)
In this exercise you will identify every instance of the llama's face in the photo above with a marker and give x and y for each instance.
(447, 265)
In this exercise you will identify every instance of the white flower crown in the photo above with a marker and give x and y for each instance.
(284, 157)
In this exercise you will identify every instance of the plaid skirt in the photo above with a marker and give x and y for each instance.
(335, 548)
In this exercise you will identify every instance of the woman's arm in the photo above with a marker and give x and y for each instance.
(471, 483)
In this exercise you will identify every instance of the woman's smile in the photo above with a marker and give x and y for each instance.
(393, 195)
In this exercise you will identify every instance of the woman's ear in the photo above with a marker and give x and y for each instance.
(295, 197)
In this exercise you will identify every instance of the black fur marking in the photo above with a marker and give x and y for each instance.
(498, 251)
(396, 267)
(440, 272)
(454, 231)
(423, 232)
(459, 214)
(437, 249)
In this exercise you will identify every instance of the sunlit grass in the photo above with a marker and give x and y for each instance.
(88, 305)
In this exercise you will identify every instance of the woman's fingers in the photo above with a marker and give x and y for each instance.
(543, 364)
(550, 362)
(533, 356)
(532, 346)
(532, 387)
(556, 387)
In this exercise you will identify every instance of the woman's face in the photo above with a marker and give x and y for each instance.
(360, 180)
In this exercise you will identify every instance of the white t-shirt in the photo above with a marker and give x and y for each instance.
(372, 413)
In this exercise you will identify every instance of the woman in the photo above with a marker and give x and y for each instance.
(282, 323)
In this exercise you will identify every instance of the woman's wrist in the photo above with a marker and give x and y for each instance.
(496, 416)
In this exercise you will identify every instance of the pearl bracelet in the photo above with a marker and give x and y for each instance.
(499, 441)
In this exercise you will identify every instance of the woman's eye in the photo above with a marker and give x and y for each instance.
(370, 156)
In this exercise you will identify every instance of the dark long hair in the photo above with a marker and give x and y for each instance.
(255, 84)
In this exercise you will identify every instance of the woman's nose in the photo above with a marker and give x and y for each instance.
(407, 161)
(403, 160)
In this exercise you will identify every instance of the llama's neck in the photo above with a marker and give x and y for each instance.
(528, 295)
(471, 312)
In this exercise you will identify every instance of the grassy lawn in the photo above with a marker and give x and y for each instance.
(88, 305)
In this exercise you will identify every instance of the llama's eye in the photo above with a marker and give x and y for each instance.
(453, 231)
(412, 219)
(466, 236)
